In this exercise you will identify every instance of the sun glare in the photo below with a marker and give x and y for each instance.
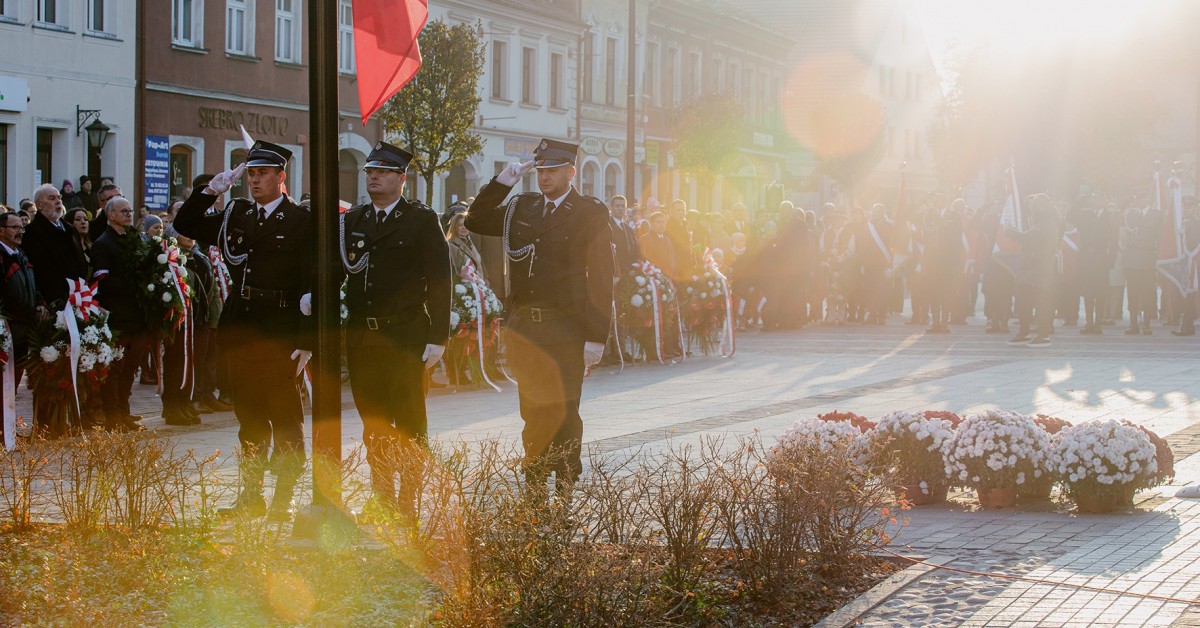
(1035, 24)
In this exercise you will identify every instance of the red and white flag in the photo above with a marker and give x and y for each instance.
(385, 48)
(1176, 263)
(1006, 251)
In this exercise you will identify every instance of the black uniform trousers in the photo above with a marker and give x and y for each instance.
(1142, 295)
(114, 394)
(267, 405)
(388, 384)
(549, 372)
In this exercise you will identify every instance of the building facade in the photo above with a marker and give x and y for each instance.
(213, 66)
(66, 65)
(527, 87)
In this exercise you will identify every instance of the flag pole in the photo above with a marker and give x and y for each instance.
(323, 184)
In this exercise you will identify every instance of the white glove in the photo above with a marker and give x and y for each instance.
(306, 304)
(221, 183)
(432, 354)
(512, 173)
(592, 352)
(302, 357)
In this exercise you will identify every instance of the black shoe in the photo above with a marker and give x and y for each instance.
(216, 404)
(188, 411)
(174, 417)
(199, 408)
(1040, 341)
(1019, 340)
(250, 505)
(1181, 332)
(1146, 331)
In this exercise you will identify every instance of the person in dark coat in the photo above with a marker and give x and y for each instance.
(118, 292)
(1142, 231)
(88, 196)
(1097, 252)
(559, 246)
(268, 243)
(18, 295)
(943, 263)
(50, 247)
(398, 298)
(1038, 273)
(184, 355)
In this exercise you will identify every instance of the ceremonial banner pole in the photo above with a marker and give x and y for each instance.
(323, 184)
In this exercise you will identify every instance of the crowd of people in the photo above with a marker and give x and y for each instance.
(789, 267)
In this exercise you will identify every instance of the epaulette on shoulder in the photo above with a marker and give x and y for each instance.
(418, 205)
(595, 202)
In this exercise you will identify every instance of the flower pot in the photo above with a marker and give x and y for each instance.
(935, 493)
(1003, 497)
(1036, 491)
(1097, 502)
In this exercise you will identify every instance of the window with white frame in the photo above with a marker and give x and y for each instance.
(610, 71)
(528, 75)
(650, 79)
(556, 80)
(239, 27)
(8, 9)
(99, 18)
(695, 70)
(346, 64)
(287, 31)
(499, 69)
(589, 67)
(185, 22)
(52, 12)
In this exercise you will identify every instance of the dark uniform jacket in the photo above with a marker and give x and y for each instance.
(625, 246)
(563, 262)
(117, 290)
(398, 276)
(1141, 246)
(271, 267)
(52, 253)
(18, 292)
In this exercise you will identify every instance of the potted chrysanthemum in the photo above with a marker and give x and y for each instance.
(995, 452)
(1101, 462)
(915, 443)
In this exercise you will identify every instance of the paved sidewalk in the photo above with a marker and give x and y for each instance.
(776, 378)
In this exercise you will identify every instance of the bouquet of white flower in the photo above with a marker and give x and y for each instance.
(49, 366)
(997, 449)
(916, 444)
(1105, 461)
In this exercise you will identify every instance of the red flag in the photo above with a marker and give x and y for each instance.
(385, 48)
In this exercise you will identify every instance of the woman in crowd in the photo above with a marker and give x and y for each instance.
(462, 250)
(76, 221)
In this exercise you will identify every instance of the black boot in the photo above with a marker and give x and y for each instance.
(281, 500)
(250, 502)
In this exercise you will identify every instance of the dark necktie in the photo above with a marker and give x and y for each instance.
(380, 216)
(262, 215)
(549, 209)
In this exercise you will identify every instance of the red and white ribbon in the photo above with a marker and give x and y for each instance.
(728, 344)
(469, 275)
(81, 302)
(9, 390)
(649, 271)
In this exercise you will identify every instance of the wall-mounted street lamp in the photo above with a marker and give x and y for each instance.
(97, 134)
(83, 116)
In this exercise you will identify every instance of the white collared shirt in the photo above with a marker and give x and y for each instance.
(386, 210)
(558, 201)
(272, 206)
(9, 249)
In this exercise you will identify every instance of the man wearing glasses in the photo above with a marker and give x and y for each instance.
(118, 293)
(50, 248)
(17, 290)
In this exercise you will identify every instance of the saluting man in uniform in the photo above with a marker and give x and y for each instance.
(268, 244)
(559, 248)
(398, 298)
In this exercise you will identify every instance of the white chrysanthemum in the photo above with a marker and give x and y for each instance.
(162, 258)
(60, 320)
(49, 354)
(454, 319)
(150, 287)
(639, 280)
(166, 297)
(636, 300)
(460, 288)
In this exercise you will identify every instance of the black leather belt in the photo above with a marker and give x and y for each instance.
(540, 314)
(254, 294)
(374, 322)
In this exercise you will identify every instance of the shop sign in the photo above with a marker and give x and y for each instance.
(158, 171)
(229, 120)
(591, 145)
(614, 148)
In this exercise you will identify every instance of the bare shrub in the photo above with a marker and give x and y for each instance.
(23, 477)
(84, 489)
(192, 489)
(681, 496)
(140, 465)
